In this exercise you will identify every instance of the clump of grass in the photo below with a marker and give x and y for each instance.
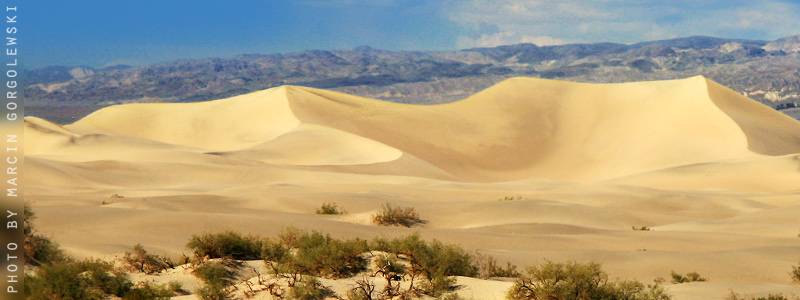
(396, 216)
(795, 273)
(488, 267)
(510, 198)
(217, 277)
(736, 296)
(308, 289)
(330, 209)
(689, 277)
(88, 280)
(39, 250)
(574, 280)
(226, 245)
(141, 261)
(643, 228)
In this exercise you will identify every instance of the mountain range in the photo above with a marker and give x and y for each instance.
(766, 71)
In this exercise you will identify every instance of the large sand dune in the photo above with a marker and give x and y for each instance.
(713, 173)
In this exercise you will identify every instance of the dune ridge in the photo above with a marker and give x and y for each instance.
(522, 128)
(527, 170)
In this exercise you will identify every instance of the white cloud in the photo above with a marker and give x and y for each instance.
(490, 23)
(506, 38)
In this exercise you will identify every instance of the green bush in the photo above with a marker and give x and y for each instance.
(39, 250)
(213, 274)
(330, 209)
(321, 255)
(212, 292)
(396, 216)
(795, 273)
(140, 261)
(689, 277)
(735, 296)
(574, 280)
(308, 289)
(226, 245)
(438, 285)
(147, 291)
(89, 279)
(488, 267)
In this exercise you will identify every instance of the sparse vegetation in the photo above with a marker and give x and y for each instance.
(85, 280)
(795, 273)
(736, 296)
(226, 245)
(488, 267)
(574, 280)
(308, 289)
(217, 277)
(689, 277)
(39, 250)
(330, 209)
(510, 198)
(643, 228)
(396, 216)
(141, 261)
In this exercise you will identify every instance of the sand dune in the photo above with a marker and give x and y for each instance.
(527, 170)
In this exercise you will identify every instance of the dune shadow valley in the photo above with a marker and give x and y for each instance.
(646, 179)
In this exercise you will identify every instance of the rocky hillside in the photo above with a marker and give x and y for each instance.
(766, 71)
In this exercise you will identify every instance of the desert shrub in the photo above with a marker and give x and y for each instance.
(213, 274)
(274, 251)
(643, 228)
(148, 291)
(89, 279)
(574, 280)
(795, 273)
(437, 286)
(689, 277)
(39, 250)
(396, 216)
(321, 255)
(308, 289)
(212, 292)
(140, 261)
(227, 244)
(364, 289)
(390, 268)
(488, 267)
(330, 209)
(735, 296)
(216, 276)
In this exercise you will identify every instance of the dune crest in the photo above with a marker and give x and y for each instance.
(521, 128)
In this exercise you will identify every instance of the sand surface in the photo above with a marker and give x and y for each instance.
(715, 175)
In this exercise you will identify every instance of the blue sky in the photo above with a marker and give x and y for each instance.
(100, 33)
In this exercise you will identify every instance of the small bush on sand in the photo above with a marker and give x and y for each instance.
(213, 273)
(735, 296)
(574, 280)
(89, 279)
(216, 276)
(321, 255)
(689, 277)
(140, 261)
(226, 245)
(488, 267)
(396, 216)
(39, 250)
(795, 273)
(308, 289)
(330, 209)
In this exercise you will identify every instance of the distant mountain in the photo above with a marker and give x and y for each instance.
(765, 71)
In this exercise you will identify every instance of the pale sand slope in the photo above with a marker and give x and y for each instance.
(714, 174)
